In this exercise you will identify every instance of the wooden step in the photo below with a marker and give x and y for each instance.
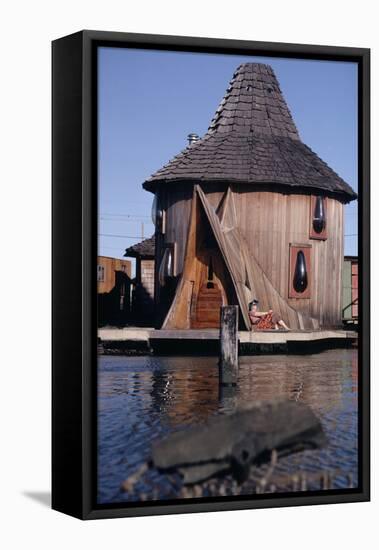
(207, 309)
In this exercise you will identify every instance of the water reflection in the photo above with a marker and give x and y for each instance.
(143, 398)
(183, 392)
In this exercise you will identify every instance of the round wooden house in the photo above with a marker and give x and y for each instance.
(249, 211)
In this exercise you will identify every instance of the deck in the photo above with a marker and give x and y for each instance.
(206, 340)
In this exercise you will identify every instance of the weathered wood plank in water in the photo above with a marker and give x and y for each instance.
(232, 443)
(228, 366)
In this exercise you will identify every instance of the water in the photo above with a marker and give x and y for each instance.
(141, 399)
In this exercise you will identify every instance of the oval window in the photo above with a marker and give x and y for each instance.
(319, 218)
(300, 277)
(166, 267)
(156, 213)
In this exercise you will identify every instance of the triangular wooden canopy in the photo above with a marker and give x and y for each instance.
(248, 279)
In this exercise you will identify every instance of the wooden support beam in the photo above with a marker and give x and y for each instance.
(228, 363)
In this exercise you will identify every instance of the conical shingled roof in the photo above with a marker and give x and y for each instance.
(252, 139)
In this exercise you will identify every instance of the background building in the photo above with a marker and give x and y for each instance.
(350, 290)
(113, 290)
(143, 284)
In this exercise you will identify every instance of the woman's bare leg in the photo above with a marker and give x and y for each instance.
(282, 324)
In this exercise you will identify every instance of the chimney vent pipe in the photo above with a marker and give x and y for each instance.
(192, 138)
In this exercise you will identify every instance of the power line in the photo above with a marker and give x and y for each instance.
(119, 236)
(126, 219)
(146, 217)
(134, 220)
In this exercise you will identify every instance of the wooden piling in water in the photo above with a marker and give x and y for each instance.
(228, 363)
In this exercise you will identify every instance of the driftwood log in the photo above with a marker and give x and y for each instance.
(231, 444)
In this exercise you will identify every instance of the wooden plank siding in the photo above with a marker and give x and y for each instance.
(269, 222)
(350, 288)
(178, 208)
(107, 280)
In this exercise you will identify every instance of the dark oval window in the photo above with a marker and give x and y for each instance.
(166, 267)
(319, 219)
(300, 277)
(156, 214)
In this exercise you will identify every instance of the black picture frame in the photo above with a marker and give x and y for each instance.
(74, 334)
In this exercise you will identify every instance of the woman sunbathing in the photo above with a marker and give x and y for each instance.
(265, 319)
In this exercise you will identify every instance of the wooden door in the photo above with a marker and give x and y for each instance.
(209, 299)
(208, 304)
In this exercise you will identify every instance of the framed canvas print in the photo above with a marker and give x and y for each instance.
(210, 274)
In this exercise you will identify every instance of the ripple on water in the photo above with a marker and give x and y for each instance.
(141, 399)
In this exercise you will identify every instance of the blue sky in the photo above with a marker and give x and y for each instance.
(149, 101)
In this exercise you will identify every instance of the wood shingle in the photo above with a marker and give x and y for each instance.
(252, 139)
(143, 249)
